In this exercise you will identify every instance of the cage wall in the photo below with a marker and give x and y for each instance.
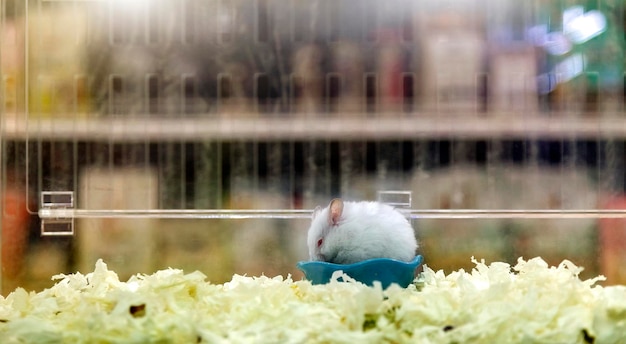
(200, 134)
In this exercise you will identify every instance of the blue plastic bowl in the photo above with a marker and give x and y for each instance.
(385, 270)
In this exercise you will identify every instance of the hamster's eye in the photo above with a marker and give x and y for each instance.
(319, 242)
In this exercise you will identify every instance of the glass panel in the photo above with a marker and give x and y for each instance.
(207, 131)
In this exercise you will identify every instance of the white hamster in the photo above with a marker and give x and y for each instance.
(349, 232)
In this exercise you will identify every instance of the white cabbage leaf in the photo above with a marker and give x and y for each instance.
(494, 303)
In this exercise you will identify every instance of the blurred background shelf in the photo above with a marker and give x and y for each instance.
(320, 126)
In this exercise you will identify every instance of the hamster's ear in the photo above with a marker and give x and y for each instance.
(335, 211)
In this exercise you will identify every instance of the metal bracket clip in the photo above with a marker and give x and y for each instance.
(396, 199)
(55, 213)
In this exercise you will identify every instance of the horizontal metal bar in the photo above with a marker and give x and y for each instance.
(342, 127)
(176, 213)
(516, 214)
(305, 213)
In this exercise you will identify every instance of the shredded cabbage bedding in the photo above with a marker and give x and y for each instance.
(530, 302)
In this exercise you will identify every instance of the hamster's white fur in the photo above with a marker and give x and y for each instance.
(349, 232)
